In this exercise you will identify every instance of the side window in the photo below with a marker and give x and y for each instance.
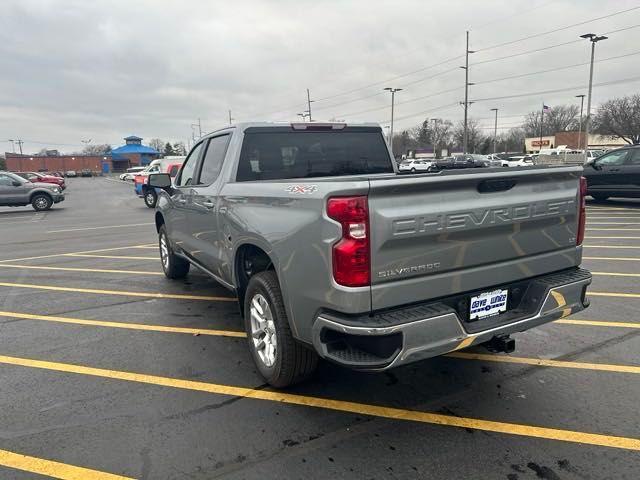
(5, 180)
(185, 177)
(635, 158)
(213, 158)
(613, 159)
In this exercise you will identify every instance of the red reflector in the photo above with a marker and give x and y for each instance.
(351, 255)
(582, 218)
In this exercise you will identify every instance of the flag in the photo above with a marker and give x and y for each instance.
(546, 108)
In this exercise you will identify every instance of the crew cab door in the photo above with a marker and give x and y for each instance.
(10, 193)
(632, 173)
(181, 199)
(606, 173)
(202, 212)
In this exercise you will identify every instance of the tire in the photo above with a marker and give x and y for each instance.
(150, 198)
(41, 202)
(281, 360)
(413, 170)
(173, 266)
(599, 197)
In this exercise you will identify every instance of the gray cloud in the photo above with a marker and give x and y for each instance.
(102, 70)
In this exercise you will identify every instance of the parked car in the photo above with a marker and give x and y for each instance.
(130, 174)
(614, 174)
(444, 163)
(16, 191)
(86, 173)
(41, 178)
(71, 173)
(471, 160)
(332, 254)
(169, 165)
(417, 165)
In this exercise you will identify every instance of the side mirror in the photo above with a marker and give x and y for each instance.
(159, 180)
(16, 183)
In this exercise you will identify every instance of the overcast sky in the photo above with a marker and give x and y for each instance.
(99, 70)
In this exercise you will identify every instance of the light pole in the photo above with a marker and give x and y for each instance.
(593, 38)
(433, 137)
(495, 130)
(393, 96)
(230, 118)
(581, 97)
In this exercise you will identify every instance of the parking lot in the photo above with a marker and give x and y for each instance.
(110, 371)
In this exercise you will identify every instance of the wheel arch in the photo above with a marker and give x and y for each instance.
(249, 259)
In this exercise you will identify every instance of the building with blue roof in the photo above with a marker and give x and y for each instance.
(132, 153)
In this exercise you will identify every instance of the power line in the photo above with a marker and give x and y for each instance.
(543, 92)
(502, 19)
(564, 67)
(559, 29)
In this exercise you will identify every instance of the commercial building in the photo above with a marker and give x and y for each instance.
(573, 140)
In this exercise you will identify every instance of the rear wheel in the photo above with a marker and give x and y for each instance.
(150, 198)
(413, 170)
(280, 359)
(599, 197)
(41, 201)
(173, 266)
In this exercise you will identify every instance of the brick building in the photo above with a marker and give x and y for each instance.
(131, 154)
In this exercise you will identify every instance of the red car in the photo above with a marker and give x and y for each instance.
(39, 177)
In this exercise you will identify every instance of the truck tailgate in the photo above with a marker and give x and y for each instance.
(439, 235)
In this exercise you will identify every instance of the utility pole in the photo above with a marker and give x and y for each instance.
(309, 105)
(581, 97)
(593, 38)
(230, 119)
(495, 130)
(19, 142)
(13, 144)
(466, 103)
(393, 96)
(541, 123)
(433, 137)
(199, 128)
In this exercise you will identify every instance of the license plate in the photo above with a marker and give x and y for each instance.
(488, 304)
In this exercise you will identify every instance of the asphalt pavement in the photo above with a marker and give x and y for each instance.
(110, 371)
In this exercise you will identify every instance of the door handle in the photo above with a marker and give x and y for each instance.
(208, 204)
(181, 200)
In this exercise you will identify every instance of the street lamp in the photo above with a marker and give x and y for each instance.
(393, 95)
(581, 97)
(495, 130)
(593, 38)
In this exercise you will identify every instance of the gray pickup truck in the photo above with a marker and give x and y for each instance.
(16, 191)
(332, 254)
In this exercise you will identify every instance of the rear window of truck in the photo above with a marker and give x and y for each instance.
(277, 154)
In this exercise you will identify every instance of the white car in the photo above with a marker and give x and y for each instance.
(130, 173)
(417, 166)
(523, 161)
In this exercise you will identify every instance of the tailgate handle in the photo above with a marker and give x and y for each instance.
(490, 186)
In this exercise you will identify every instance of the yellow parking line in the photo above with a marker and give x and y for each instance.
(127, 326)
(612, 294)
(616, 274)
(611, 246)
(596, 323)
(101, 227)
(611, 223)
(53, 469)
(88, 255)
(62, 254)
(539, 362)
(117, 292)
(625, 259)
(612, 217)
(611, 209)
(73, 269)
(338, 405)
(611, 238)
(613, 229)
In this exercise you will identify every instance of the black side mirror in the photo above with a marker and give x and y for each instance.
(160, 180)
(16, 183)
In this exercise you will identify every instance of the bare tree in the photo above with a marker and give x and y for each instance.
(157, 144)
(559, 119)
(474, 135)
(512, 140)
(403, 142)
(619, 118)
(96, 149)
(179, 148)
(436, 133)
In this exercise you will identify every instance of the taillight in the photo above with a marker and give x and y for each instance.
(351, 256)
(582, 219)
